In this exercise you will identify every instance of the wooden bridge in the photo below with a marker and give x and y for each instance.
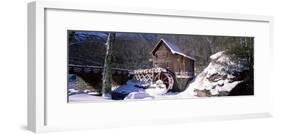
(93, 76)
(90, 77)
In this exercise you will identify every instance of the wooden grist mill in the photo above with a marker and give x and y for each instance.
(170, 65)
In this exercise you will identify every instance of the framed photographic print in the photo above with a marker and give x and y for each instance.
(104, 66)
(92, 66)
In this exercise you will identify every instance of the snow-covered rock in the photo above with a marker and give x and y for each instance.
(140, 84)
(135, 89)
(158, 88)
(114, 87)
(218, 78)
(121, 92)
(86, 91)
(72, 91)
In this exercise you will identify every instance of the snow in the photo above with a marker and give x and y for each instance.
(216, 55)
(133, 90)
(139, 95)
(86, 91)
(229, 86)
(159, 88)
(71, 90)
(114, 87)
(175, 96)
(86, 98)
(216, 76)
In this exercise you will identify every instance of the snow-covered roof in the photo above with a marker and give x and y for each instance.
(173, 48)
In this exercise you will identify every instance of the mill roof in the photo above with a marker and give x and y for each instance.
(172, 47)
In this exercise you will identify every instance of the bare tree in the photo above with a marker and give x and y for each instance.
(107, 72)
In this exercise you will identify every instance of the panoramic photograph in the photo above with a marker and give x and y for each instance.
(119, 66)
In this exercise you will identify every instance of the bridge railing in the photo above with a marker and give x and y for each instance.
(94, 69)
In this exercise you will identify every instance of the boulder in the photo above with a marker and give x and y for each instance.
(121, 92)
(220, 77)
(157, 88)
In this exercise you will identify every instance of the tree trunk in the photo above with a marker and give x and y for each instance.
(107, 72)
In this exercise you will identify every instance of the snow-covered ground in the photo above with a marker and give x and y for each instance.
(134, 90)
(83, 97)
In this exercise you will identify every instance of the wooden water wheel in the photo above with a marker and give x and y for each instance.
(167, 78)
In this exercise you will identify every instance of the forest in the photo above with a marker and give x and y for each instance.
(133, 50)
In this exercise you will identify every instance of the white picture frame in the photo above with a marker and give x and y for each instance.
(45, 114)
